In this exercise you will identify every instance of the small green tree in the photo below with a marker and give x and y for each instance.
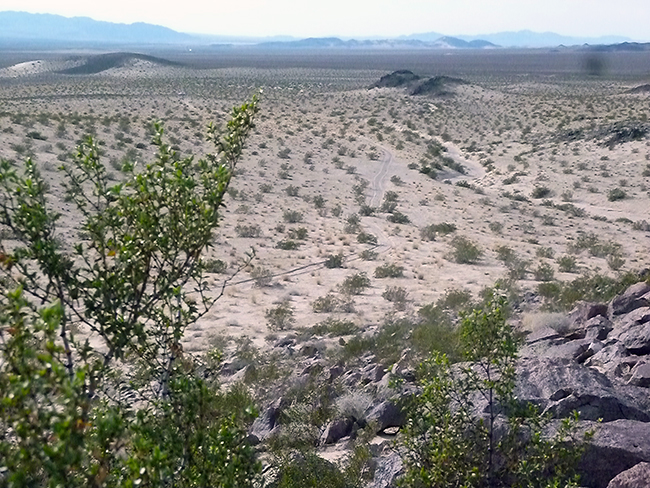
(450, 445)
(132, 283)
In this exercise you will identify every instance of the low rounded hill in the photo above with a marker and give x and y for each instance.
(102, 62)
(438, 86)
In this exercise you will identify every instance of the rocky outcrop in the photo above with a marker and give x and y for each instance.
(635, 477)
(598, 363)
(595, 361)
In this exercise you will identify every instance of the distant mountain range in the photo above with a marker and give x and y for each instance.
(336, 43)
(525, 38)
(47, 27)
(26, 28)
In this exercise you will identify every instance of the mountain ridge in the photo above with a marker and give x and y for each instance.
(23, 27)
(27, 26)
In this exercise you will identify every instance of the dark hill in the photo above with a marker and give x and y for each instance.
(437, 86)
(621, 47)
(639, 89)
(397, 78)
(103, 62)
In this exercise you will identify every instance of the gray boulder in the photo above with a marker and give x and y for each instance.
(336, 430)
(264, 425)
(386, 414)
(616, 447)
(608, 359)
(560, 386)
(635, 477)
(389, 468)
(598, 327)
(581, 314)
(630, 299)
(634, 331)
(640, 375)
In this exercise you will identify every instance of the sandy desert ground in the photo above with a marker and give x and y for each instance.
(551, 187)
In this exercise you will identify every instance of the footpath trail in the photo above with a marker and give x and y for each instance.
(384, 242)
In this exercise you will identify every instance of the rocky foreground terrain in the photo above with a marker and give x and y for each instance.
(595, 360)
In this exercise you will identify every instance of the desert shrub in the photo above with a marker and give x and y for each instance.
(253, 230)
(265, 188)
(429, 232)
(262, 276)
(70, 404)
(288, 245)
(544, 272)
(397, 295)
(447, 445)
(280, 317)
(615, 262)
(396, 180)
(292, 191)
(597, 248)
(337, 210)
(505, 254)
(292, 216)
(299, 233)
(465, 251)
(391, 196)
(334, 261)
(355, 284)
(616, 194)
(455, 299)
(388, 207)
(366, 210)
(366, 238)
(435, 332)
(319, 202)
(335, 327)
(306, 469)
(391, 270)
(572, 210)
(284, 153)
(540, 192)
(326, 304)
(352, 225)
(368, 255)
(215, 266)
(545, 252)
(567, 264)
(398, 217)
(36, 135)
(560, 296)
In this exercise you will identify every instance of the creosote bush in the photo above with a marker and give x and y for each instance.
(391, 270)
(355, 284)
(465, 251)
(280, 317)
(126, 284)
(447, 444)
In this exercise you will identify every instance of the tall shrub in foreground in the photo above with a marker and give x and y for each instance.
(449, 444)
(95, 389)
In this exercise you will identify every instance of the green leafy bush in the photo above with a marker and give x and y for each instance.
(448, 445)
(124, 283)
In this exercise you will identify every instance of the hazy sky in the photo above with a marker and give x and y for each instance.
(304, 18)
